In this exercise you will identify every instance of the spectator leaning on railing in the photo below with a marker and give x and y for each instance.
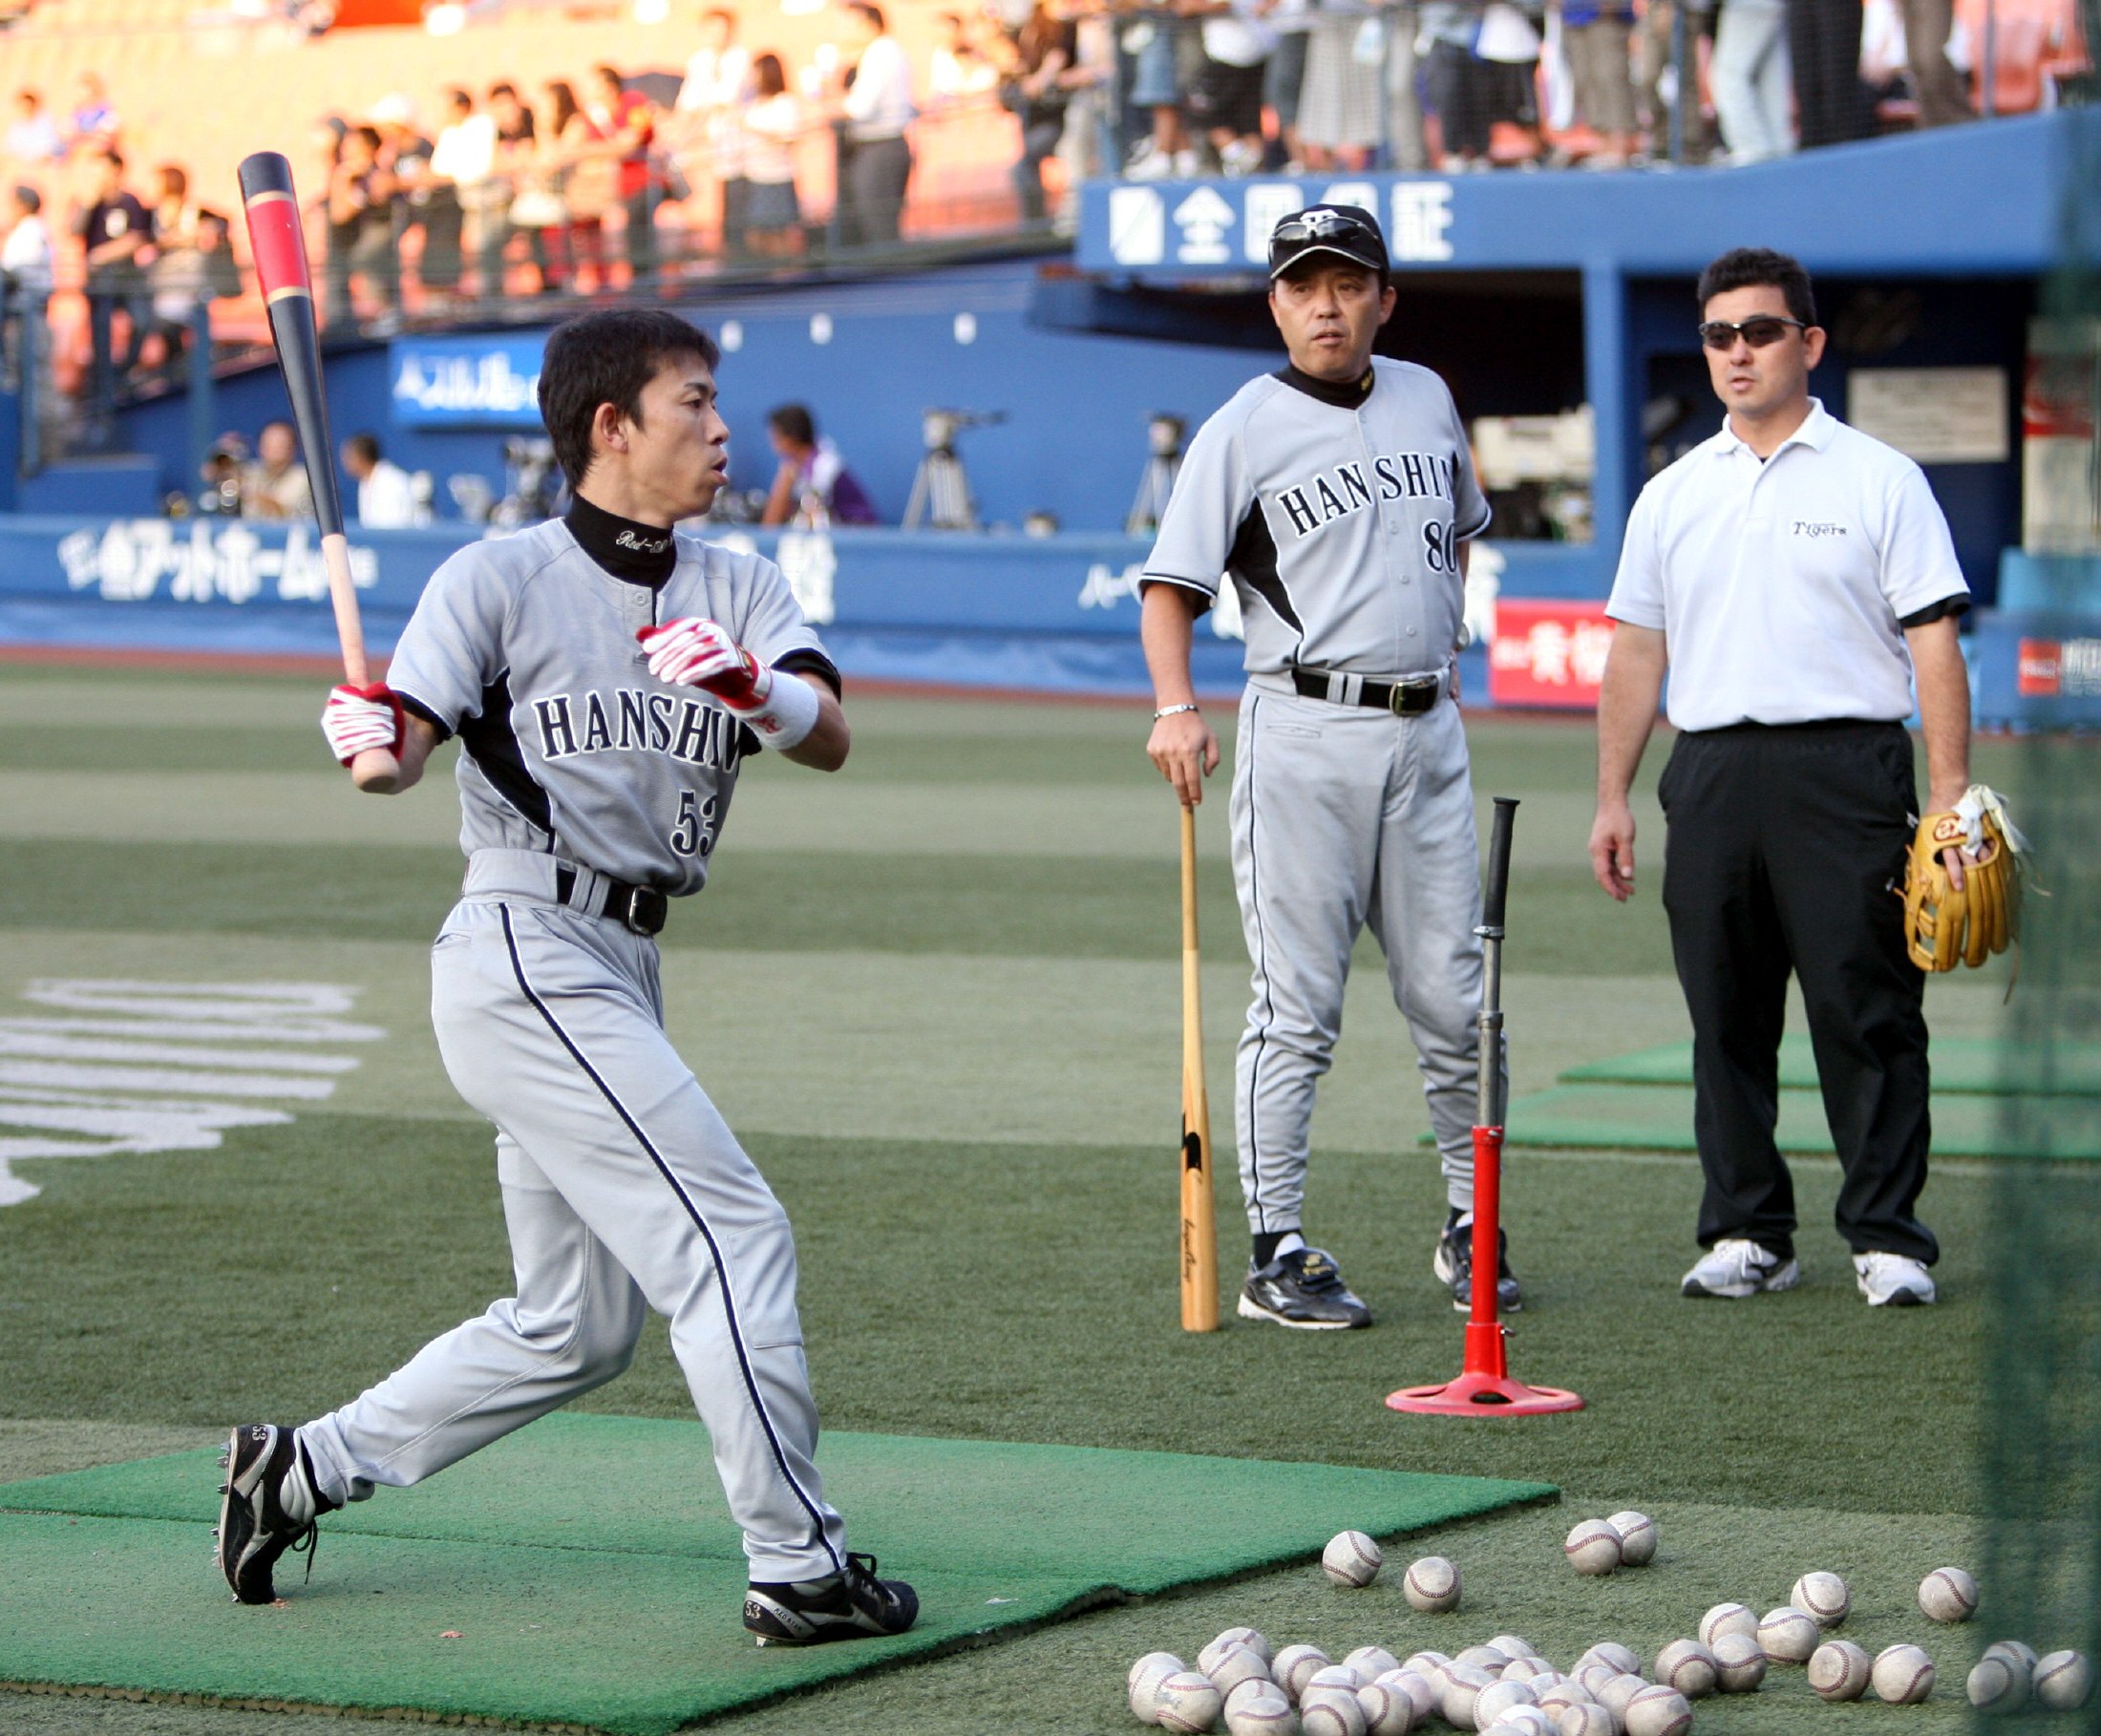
(463, 164)
(872, 92)
(624, 119)
(360, 225)
(114, 231)
(772, 124)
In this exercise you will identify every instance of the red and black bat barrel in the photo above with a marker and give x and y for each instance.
(279, 244)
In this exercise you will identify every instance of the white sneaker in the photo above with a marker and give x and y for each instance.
(1893, 1280)
(1149, 162)
(1734, 1267)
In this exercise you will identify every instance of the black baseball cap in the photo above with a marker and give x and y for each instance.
(1350, 231)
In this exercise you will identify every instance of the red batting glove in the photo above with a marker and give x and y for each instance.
(695, 653)
(358, 719)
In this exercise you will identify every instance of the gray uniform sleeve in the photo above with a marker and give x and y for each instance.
(1212, 496)
(452, 650)
(1471, 512)
(772, 626)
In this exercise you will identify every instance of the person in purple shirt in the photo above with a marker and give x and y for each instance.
(812, 485)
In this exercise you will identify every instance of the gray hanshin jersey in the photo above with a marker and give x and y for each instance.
(1337, 516)
(525, 647)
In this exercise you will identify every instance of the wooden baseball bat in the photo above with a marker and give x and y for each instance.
(1199, 1230)
(279, 246)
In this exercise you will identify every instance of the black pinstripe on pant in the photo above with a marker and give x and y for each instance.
(1784, 846)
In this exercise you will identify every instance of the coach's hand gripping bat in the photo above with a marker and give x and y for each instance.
(280, 250)
(1199, 1230)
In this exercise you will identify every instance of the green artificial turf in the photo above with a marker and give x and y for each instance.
(1659, 1117)
(614, 1534)
(1013, 1283)
(1987, 1066)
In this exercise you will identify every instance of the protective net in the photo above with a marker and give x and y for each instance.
(2041, 1433)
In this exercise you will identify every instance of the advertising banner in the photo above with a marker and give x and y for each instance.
(1548, 653)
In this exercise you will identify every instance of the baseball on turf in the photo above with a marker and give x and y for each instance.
(1614, 1656)
(1417, 1686)
(1823, 1598)
(1497, 1697)
(2063, 1681)
(1463, 1687)
(1739, 1663)
(1144, 1682)
(1512, 1646)
(1490, 1657)
(1617, 1693)
(1425, 1664)
(1352, 1558)
(1188, 1702)
(1431, 1585)
(1787, 1636)
(1587, 1717)
(1902, 1674)
(1947, 1594)
(1331, 1711)
(1293, 1667)
(2014, 1652)
(1387, 1708)
(1727, 1619)
(1998, 1685)
(1236, 1665)
(1593, 1547)
(1840, 1670)
(1249, 1637)
(1658, 1711)
(1370, 1662)
(1690, 1668)
(1525, 1721)
(1524, 1669)
(1335, 1676)
(1637, 1537)
(1260, 1715)
(1563, 1693)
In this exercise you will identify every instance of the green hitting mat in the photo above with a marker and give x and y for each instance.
(1659, 1119)
(584, 1571)
(1965, 1066)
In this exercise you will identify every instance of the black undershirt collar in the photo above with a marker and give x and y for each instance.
(631, 552)
(1343, 394)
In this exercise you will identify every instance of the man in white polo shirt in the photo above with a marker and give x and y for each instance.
(1795, 577)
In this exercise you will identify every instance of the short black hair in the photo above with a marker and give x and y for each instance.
(793, 422)
(870, 11)
(607, 358)
(28, 199)
(1760, 268)
(366, 446)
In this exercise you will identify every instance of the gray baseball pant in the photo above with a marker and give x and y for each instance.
(1342, 816)
(621, 1186)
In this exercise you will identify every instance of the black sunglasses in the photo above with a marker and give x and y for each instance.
(1765, 329)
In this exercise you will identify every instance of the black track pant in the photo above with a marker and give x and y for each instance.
(1784, 845)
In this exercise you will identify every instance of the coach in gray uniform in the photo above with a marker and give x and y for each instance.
(1796, 577)
(606, 677)
(1338, 495)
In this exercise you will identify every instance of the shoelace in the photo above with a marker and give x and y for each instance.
(305, 1543)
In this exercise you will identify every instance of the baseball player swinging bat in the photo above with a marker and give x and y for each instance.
(280, 250)
(1199, 1230)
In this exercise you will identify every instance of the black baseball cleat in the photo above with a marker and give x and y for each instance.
(254, 1527)
(850, 1605)
(1453, 1265)
(1302, 1289)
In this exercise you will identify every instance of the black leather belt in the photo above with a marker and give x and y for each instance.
(641, 909)
(1402, 698)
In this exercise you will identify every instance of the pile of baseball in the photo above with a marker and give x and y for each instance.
(1504, 1687)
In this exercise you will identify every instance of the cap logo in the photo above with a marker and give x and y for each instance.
(1319, 222)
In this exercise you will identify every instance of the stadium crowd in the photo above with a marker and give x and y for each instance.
(605, 180)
